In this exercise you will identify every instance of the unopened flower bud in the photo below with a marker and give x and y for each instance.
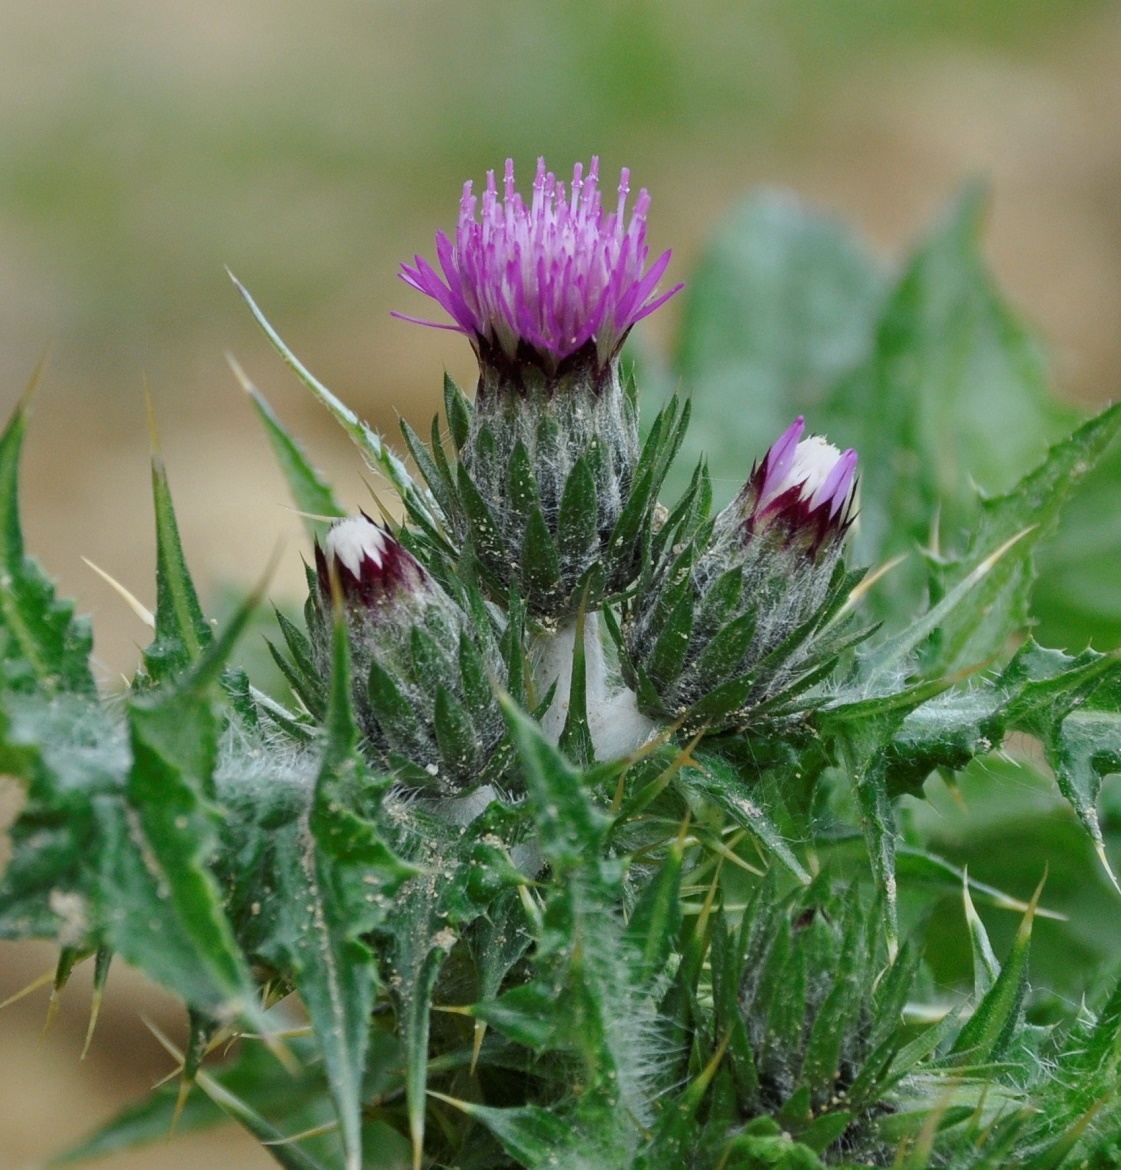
(547, 293)
(803, 490)
(420, 673)
(373, 570)
(738, 614)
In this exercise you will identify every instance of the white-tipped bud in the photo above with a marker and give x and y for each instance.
(371, 566)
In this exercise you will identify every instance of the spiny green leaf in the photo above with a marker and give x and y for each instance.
(667, 656)
(656, 918)
(726, 958)
(998, 606)
(311, 697)
(308, 876)
(393, 711)
(576, 736)
(45, 647)
(310, 491)
(860, 744)
(727, 649)
(478, 689)
(719, 781)
(488, 540)
(161, 905)
(455, 734)
(986, 968)
(414, 1031)
(300, 648)
(521, 496)
(536, 1137)
(1073, 705)
(182, 632)
(987, 1033)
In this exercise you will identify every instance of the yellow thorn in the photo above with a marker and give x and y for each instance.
(34, 985)
(954, 789)
(709, 1071)
(1099, 848)
(310, 515)
(315, 1131)
(728, 852)
(181, 1100)
(477, 1046)
(165, 1043)
(391, 521)
(141, 611)
(33, 381)
(52, 1008)
(95, 1011)
(683, 832)
(862, 588)
(706, 909)
(240, 374)
(283, 1034)
(936, 532)
(176, 1055)
(990, 561)
(620, 788)
(282, 1053)
(1024, 931)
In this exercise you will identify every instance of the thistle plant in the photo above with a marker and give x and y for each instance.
(587, 832)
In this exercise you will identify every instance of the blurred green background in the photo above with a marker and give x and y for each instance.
(311, 148)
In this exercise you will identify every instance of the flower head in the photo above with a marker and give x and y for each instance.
(548, 278)
(418, 664)
(372, 568)
(740, 616)
(805, 484)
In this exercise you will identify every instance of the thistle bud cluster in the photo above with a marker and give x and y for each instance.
(550, 511)
(735, 617)
(422, 671)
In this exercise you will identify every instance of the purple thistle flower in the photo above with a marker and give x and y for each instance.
(805, 484)
(373, 569)
(551, 277)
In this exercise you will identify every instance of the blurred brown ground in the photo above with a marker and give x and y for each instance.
(883, 136)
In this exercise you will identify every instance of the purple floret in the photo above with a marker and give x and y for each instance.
(553, 276)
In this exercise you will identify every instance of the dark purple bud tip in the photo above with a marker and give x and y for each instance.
(371, 565)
